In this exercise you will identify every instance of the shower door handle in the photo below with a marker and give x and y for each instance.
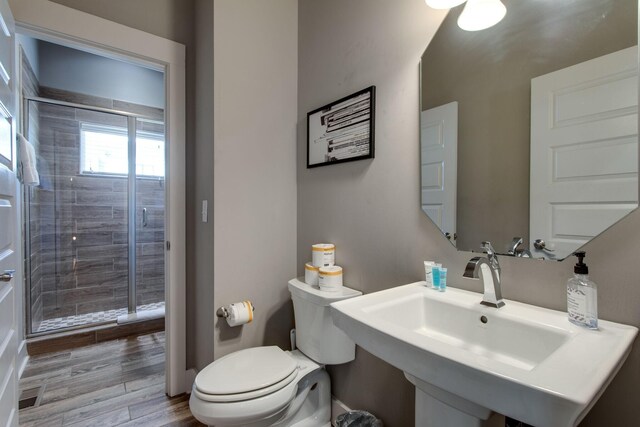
(7, 275)
(144, 217)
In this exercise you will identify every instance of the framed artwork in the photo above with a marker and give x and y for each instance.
(342, 131)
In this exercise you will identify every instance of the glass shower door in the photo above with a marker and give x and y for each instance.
(94, 227)
(77, 218)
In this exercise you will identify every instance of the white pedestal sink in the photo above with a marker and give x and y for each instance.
(467, 360)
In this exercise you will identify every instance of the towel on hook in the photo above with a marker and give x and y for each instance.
(27, 159)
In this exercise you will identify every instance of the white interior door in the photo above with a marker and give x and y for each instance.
(584, 150)
(10, 291)
(439, 166)
(8, 298)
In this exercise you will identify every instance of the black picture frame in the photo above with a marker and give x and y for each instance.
(353, 135)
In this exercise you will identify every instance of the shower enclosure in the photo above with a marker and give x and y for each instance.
(94, 227)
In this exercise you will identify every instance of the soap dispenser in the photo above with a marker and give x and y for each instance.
(582, 296)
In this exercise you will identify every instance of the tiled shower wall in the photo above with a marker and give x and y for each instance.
(79, 247)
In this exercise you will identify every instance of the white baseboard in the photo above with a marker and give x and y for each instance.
(23, 358)
(190, 377)
(337, 408)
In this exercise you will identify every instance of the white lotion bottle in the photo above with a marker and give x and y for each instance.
(428, 278)
(582, 296)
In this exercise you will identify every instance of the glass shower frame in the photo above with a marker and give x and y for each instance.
(133, 120)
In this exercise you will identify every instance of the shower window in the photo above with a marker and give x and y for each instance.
(149, 155)
(103, 151)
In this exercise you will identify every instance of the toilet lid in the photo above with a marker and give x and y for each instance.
(245, 370)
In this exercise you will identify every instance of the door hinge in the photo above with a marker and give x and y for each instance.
(168, 245)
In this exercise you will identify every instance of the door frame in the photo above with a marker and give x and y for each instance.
(50, 21)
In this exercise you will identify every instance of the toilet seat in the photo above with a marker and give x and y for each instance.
(237, 397)
(246, 374)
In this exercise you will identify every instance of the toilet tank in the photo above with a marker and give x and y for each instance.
(316, 335)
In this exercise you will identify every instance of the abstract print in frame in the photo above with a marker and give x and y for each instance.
(342, 131)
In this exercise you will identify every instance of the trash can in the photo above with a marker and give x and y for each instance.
(357, 419)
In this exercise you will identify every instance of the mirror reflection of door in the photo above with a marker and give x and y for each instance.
(489, 74)
(584, 150)
(438, 166)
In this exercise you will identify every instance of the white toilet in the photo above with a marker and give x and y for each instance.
(266, 386)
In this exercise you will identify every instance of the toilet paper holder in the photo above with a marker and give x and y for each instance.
(224, 312)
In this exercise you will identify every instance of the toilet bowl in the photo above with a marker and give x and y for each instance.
(254, 402)
(266, 386)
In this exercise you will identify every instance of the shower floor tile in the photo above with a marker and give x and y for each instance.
(90, 318)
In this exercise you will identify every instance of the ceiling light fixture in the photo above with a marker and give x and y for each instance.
(443, 4)
(480, 14)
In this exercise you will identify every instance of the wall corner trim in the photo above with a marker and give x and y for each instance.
(23, 358)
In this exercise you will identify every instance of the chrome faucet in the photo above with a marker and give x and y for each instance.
(514, 251)
(489, 267)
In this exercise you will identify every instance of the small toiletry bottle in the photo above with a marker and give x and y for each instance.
(428, 266)
(443, 279)
(582, 296)
(435, 275)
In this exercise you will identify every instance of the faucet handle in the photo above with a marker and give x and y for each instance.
(513, 247)
(486, 247)
(491, 255)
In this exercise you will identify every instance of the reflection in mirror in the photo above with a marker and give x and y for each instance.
(529, 128)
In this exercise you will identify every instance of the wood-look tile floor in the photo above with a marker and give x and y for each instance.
(114, 383)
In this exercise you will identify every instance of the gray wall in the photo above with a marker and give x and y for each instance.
(171, 19)
(200, 315)
(30, 49)
(496, 66)
(254, 167)
(371, 209)
(82, 72)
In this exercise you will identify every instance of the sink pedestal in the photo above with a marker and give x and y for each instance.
(438, 408)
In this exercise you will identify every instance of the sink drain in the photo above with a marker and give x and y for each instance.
(484, 319)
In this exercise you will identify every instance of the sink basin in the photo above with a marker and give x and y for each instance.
(520, 360)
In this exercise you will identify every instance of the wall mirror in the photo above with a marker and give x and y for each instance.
(529, 129)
